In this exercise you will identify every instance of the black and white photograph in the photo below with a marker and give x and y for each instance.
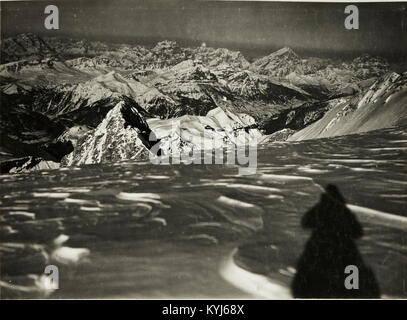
(203, 150)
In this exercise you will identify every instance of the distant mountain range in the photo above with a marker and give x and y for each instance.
(85, 102)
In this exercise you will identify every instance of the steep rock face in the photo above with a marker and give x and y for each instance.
(121, 135)
(382, 106)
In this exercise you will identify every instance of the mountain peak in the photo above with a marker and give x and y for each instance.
(286, 51)
(279, 63)
(120, 136)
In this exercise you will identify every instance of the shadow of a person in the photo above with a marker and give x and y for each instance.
(331, 248)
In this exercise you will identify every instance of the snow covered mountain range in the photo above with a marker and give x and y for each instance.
(70, 102)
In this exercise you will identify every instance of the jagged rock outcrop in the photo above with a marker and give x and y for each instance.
(122, 135)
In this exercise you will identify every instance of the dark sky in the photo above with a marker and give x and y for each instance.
(252, 27)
